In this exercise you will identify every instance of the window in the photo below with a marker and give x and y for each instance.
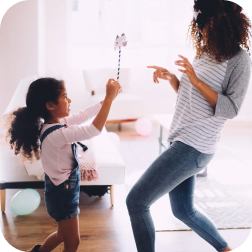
(155, 29)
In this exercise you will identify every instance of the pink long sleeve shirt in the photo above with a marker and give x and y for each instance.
(56, 153)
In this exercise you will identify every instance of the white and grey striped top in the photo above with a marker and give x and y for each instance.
(196, 122)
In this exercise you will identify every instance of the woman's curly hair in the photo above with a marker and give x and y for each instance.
(25, 123)
(225, 30)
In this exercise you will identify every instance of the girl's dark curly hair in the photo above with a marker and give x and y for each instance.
(225, 30)
(26, 122)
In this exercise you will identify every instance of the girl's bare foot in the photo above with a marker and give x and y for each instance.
(227, 249)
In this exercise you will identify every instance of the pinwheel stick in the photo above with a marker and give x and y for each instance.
(119, 42)
(118, 73)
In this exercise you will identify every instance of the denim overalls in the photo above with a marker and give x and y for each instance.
(62, 201)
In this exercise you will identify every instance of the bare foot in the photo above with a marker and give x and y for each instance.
(227, 249)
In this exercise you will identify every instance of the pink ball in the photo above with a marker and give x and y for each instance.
(143, 126)
(115, 138)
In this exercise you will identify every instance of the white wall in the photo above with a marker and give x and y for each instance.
(18, 48)
(90, 43)
(55, 47)
(55, 38)
(157, 22)
(56, 54)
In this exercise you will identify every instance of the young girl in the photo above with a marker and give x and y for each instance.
(47, 99)
(209, 93)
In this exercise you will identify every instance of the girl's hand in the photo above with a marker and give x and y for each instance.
(112, 89)
(189, 71)
(161, 73)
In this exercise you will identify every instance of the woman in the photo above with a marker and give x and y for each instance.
(210, 91)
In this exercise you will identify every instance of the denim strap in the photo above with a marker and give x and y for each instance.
(50, 130)
(73, 145)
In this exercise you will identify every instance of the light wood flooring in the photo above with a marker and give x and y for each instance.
(106, 228)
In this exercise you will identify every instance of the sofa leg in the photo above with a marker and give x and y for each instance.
(3, 194)
(112, 195)
(119, 127)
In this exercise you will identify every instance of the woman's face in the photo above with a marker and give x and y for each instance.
(195, 15)
(199, 30)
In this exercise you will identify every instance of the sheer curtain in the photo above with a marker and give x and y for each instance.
(156, 31)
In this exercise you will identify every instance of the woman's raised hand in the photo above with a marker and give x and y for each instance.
(112, 89)
(188, 70)
(161, 73)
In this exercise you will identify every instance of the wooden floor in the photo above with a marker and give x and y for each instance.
(102, 227)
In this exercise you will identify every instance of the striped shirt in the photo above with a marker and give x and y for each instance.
(196, 122)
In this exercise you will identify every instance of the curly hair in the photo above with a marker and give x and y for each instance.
(226, 29)
(25, 122)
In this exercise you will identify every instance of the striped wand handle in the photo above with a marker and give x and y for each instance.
(119, 64)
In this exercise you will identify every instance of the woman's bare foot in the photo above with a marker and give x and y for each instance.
(227, 249)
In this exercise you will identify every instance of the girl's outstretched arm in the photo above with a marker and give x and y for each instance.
(75, 133)
(82, 116)
(113, 88)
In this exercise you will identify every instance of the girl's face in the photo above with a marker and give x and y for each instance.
(61, 109)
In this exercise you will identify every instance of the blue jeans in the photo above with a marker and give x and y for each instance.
(172, 172)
